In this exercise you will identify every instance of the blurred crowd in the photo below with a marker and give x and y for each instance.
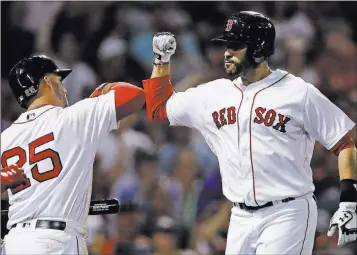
(167, 179)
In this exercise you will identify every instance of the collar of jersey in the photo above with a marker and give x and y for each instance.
(39, 106)
(37, 111)
(263, 83)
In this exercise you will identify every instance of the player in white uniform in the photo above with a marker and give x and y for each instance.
(56, 146)
(262, 126)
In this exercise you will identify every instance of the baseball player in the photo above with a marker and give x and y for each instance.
(262, 126)
(55, 144)
(11, 177)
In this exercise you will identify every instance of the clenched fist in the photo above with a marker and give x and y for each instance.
(164, 46)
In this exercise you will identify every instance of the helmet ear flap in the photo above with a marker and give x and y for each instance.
(255, 56)
(251, 59)
(262, 52)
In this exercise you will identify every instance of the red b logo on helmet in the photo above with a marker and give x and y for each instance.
(229, 25)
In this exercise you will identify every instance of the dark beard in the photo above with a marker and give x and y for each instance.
(238, 70)
(60, 95)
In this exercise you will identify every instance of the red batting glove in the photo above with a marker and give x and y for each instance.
(12, 176)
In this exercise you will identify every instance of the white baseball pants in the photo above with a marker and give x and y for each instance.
(284, 228)
(39, 241)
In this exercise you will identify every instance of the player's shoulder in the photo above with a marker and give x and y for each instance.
(212, 84)
(12, 130)
(217, 82)
(87, 105)
(9, 135)
(296, 82)
(90, 111)
(6, 134)
(81, 104)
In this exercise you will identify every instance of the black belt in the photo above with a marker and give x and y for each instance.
(47, 224)
(243, 206)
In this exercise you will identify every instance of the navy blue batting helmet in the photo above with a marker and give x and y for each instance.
(253, 30)
(25, 76)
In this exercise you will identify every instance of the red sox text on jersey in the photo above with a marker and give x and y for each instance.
(228, 116)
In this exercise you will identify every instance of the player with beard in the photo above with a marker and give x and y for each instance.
(262, 126)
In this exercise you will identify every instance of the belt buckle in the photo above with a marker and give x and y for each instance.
(59, 224)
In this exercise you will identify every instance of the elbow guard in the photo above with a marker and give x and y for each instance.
(124, 93)
(157, 91)
(128, 98)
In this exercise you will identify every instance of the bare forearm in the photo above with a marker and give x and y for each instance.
(345, 149)
(347, 164)
(347, 170)
(160, 70)
(212, 225)
(221, 217)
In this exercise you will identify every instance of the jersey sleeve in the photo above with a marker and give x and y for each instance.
(323, 120)
(93, 118)
(187, 108)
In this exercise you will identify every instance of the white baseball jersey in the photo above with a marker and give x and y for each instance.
(56, 147)
(263, 134)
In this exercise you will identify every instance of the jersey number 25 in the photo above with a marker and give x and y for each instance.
(33, 159)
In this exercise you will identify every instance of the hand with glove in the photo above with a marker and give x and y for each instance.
(11, 177)
(164, 46)
(345, 218)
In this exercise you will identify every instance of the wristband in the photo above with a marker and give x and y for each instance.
(159, 57)
(348, 190)
(161, 64)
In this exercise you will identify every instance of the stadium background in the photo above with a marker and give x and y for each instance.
(167, 178)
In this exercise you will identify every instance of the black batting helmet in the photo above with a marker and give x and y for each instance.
(25, 76)
(253, 30)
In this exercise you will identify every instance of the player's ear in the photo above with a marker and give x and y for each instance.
(47, 80)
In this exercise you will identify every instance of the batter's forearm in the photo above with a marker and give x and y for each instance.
(160, 70)
(346, 151)
(222, 216)
(347, 170)
(347, 164)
